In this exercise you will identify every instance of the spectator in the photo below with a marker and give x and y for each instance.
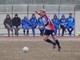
(16, 21)
(25, 25)
(71, 24)
(63, 24)
(33, 23)
(40, 24)
(55, 21)
(8, 24)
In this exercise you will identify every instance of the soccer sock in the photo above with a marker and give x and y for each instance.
(49, 41)
(58, 43)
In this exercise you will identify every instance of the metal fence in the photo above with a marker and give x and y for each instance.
(39, 1)
(29, 9)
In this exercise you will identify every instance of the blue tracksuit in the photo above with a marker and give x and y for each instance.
(70, 25)
(56, 23)
(25, 25)
(33, 24)
(40, 23)
(63, 24)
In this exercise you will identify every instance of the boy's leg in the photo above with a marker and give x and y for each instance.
(57, 42)
(12, 31)
(33, 31)
(49, 41)
(72, 30)
(55, 31)
(69, 31)
(40, 31)
(27, 31)
(8, 32)
(24, 31)
(16, 30)
(63, 29)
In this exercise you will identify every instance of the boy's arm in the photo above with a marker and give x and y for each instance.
(37, 12)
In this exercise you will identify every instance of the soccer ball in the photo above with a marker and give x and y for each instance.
(25, 49)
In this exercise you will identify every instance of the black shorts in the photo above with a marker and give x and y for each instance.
(49, 32)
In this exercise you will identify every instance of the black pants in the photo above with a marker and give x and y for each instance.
(16, 31)
(63, 29)
(24, 30)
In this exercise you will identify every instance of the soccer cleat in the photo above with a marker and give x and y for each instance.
(54, 46)
(59, 49)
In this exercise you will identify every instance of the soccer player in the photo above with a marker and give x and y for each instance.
(56, 23)
(70, 24)
(49, 29)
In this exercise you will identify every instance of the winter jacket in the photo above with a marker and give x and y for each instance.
(16, 21)
(25, 23)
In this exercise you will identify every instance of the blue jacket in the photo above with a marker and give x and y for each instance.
(55, 21)
(63, 21)
(40, 22)
(70, 21)
(25, 23)
(33, 22)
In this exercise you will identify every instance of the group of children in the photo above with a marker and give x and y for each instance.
(63, 23)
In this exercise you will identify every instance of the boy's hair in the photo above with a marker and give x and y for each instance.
(42, 10)
(16, 14)
(70, 13)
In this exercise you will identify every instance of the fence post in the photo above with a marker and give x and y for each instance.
(12, 11)
(27, 11)
(43, 6)
(75, 23)
(59, 18)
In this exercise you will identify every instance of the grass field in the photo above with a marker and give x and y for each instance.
(11, 49)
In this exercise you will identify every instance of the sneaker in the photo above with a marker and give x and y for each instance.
(59, 49)
(54, 46)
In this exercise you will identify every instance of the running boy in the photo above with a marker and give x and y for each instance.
(49, 29)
